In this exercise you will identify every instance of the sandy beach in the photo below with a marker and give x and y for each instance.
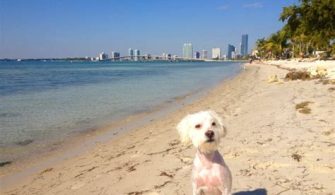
(273, 145)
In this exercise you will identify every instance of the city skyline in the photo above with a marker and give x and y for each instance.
(188, 53)
(40, 29)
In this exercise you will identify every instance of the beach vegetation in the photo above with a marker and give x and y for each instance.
(305, 110)
(308, 31)
(297, 75)
(303, 107)
(296, 157)
(4, 163)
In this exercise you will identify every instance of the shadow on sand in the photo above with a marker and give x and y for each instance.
(260, 191)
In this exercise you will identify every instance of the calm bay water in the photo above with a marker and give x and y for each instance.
(45, 101)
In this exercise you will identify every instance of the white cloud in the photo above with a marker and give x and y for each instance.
(253, 5)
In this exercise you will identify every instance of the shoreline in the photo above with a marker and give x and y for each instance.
(111, 129)
(271, 147)
(81, 142)
(26, 133)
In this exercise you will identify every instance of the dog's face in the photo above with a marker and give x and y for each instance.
(204, 129)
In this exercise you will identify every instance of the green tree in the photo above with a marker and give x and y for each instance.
(309, 26)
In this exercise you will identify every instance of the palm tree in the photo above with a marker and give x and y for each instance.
(309, 26)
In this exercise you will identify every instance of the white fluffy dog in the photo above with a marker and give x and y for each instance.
(210, 174)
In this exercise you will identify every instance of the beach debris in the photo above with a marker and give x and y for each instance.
(325, 74)
(131, 147)
(296, 157)
(174, 142)
(303, 107)
(273, 78)
(331, 89)
(264, 142)
(318, 72)
(162, 185)
(117, 155)
(298, 75)
(327, 81)
(46, 170)
(163, 173)
(138, 192)
(305, 110)
(86, 171)
(302, 104)
(4, 163)
(132, 168)
(24, 142)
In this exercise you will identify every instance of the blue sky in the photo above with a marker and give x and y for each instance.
(61, 28)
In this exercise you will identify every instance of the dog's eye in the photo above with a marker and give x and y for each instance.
(198, 126)
(213, 124)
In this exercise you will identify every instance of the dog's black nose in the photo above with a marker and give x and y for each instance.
(209, 134)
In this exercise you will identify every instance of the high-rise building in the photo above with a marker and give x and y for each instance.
(233, 55)
(115, 55)
(197, 55)
(204, 54)
(103, 56)
(230, 51)
(164, 56)
(136, 54)
(131, 53)
(169, 56)
(244, 45)
(187, 51)
(216, 53)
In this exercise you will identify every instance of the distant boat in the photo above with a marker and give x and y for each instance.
(19, 60)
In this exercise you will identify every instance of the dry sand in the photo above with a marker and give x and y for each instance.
(272, 146)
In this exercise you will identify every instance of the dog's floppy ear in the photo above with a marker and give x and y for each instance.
(220, 121)
(183, 128)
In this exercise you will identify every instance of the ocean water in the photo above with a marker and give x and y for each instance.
(41, 102)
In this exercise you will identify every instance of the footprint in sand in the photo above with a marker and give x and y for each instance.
(77, 186)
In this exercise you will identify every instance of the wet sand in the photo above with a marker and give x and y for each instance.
(271, 146)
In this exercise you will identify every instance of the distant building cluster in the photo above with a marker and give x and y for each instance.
(217, 54)
(188, 53)
(232, 52)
